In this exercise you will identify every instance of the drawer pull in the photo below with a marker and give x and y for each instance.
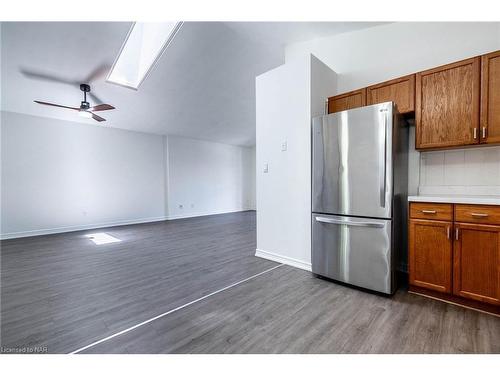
(431, 212)
(476, 214)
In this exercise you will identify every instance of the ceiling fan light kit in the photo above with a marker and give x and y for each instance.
(84, 114)
(85, 110)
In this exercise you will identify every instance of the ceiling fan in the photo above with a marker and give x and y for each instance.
(85, 110)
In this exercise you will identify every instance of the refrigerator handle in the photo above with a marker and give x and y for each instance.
(383, 159)
(350, 223)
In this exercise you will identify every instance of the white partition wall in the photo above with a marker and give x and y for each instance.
(286, 100)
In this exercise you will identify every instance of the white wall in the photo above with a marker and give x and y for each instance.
(376, 54)
(286, 99)
(373, 55)
(207, 178)
(59, 175)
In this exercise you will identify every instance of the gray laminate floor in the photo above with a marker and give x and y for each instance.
(64, 292)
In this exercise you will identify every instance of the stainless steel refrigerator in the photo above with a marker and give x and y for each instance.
(359, 193)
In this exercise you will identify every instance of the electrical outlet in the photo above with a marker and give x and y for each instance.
(266, 168)
(284, 146)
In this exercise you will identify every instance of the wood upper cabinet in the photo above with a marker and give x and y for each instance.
(400, 91)
(349, 100)
(447, 105)
(490, 98)
(476, 258)
(430, 252)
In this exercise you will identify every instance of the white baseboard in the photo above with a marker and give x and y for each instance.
(74, 228)
(206, 213)
(283, 259)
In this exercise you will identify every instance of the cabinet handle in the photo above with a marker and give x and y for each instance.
(484, 132)
(456, 234)
(476, 214)
(474, 132)
(431, 212)
(448, 232)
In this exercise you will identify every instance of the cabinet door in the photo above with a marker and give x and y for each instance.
(400, 91)
(490, 98)
(447, 105)
(476, 262)
(349, 100)
(430, 251)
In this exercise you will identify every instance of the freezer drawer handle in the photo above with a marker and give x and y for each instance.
(350, 223)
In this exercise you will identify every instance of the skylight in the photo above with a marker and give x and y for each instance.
(141, 50)
(102, 238)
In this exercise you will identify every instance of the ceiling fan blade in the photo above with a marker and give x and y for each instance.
(46, 77)
(97, 118)
(98, 73)
(56, 105)
(101, 107)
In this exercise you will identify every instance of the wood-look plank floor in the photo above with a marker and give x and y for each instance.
(290, 311)
(65, 293)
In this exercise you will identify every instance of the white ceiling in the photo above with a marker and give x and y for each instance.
(203, 86)
(283, 33)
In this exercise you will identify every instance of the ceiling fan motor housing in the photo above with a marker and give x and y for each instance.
(85, 88)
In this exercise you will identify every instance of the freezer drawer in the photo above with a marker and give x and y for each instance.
(353, 250)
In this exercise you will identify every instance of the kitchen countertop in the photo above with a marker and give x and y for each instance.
(469, 199)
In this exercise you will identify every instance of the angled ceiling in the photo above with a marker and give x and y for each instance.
(278, 34)
(203, 86)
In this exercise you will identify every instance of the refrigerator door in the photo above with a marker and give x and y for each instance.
(352, 162)
(356, 251)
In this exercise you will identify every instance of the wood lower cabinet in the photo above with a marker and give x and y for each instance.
(430, 254)
(447, 105)
(401, 91)
(490, 98)
(457, 261)
(476, 262)
(349, 100)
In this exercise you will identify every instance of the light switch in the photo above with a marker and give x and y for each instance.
(266, 168)
(283, 146)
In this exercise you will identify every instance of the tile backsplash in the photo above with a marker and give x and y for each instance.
(473, 171)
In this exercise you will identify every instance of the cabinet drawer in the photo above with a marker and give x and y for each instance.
(431, 211)
(468, 213)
